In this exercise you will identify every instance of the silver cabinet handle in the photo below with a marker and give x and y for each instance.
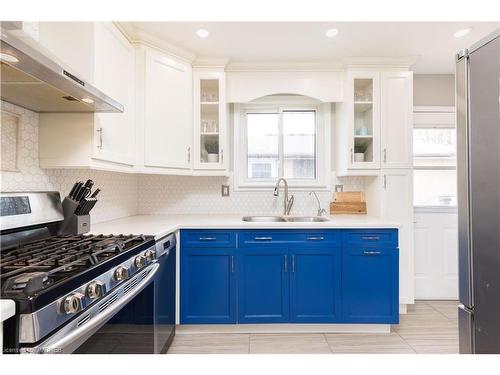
(189, 154)
(100, 138)
(286, 263)
(372, 252)
(385, 155)
(222, 155)
(352, 156)
(320, 238)
(385, 182)
(370, 238)
(293, 263)
(208, 238)
(263, 238)
(232, 263)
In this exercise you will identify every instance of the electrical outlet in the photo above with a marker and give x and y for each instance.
(224, 190)
(339, 188)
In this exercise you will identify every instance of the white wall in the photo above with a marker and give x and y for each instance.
(118, 197)
(434, 89)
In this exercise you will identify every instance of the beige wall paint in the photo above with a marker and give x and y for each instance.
(434, 89)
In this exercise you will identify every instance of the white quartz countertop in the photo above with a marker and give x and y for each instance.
(161, 225)
(8, 309)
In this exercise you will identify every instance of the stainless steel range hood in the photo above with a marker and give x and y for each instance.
(32, 79)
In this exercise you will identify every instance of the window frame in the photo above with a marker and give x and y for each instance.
(279, 104)
(440, 120)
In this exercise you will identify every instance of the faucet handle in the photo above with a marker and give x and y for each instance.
(289, 204)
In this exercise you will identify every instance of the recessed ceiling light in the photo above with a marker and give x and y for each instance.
(87, 100)
(331, 33)
(462, 32)
(202, 33)
(8, 58)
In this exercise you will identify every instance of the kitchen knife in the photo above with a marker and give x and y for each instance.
(77, 190)
(73, 190)
(94, 194)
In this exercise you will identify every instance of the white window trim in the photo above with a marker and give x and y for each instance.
(323, 140)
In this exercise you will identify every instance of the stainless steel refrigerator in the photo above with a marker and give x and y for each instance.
(478, 169)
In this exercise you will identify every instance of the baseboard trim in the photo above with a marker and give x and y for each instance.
(281, 328)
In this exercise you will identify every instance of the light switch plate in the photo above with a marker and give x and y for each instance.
(224, 190)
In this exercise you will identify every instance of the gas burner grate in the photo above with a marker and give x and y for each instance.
(58, 258)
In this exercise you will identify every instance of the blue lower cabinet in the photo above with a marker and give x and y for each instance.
(208, 285)
(315, 285)
(370, 291)
(263, 285)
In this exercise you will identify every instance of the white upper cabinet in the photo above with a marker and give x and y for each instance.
(210, 136)
(168, 112)
(396, 119)
(114, 75)
(100, 140)
(374, 123)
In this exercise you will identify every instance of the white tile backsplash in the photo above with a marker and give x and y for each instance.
(127, 194)
(118, 197)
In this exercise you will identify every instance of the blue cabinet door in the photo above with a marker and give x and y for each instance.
(263, 285)
(315, 285)
(370, 292)
(208, 285)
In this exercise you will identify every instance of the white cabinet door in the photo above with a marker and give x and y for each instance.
(396, 119)
(168, 112)
(397, 206)
(72, 43)
(114, 75)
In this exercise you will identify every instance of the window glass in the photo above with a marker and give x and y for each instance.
(299, 144)
(263, 145)
(435, 175)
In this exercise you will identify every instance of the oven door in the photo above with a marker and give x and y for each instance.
(125, 322)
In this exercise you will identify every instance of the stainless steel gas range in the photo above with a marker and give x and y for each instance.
(82, 293)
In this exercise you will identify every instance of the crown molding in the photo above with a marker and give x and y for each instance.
(297, 66)
(379, 62)
(137, 36)
(206, 62)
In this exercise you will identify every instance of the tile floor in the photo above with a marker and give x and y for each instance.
(428, 327)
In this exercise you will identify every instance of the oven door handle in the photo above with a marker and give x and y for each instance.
(67, 342)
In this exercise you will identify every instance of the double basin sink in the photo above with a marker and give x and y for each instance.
(281, 219)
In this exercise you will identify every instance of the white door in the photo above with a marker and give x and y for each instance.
(168, 112)
(436, 254)
(114, 75)
(396, 115)
(397, 206)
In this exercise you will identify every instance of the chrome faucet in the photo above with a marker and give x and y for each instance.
(321, 211)
(288, 203)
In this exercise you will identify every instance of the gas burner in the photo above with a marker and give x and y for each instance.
(31, 267)
(28, 283)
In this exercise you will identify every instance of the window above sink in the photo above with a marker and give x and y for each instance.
(282, 136)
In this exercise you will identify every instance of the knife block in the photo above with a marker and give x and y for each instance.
(73, 224)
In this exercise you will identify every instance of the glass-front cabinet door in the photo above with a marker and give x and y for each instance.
(210, 120)
(365, 120)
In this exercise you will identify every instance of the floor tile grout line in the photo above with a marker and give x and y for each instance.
(328, 343)
(427, 302)
(407, 343)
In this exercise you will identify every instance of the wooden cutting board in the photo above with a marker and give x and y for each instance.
(349, 202)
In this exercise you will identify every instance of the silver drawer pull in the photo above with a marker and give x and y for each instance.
(371, 238)
(320, 238)
(263, 238)
(372, 252)
(207, 238)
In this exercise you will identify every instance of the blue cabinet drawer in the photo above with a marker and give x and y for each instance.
(208, 238)
(370, 237)
(250, 238)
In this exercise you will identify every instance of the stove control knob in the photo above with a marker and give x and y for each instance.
(150, 255)
(121, 273)
(73, 303)
(96, 289)
(140, 261)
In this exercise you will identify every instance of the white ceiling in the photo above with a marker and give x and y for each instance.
(432, 44)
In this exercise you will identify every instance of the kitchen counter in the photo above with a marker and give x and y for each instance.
(161, 225)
